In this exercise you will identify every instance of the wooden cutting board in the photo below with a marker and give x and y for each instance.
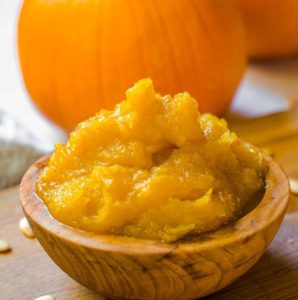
(27, 272)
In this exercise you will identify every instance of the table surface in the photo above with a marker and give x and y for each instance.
(27, 272)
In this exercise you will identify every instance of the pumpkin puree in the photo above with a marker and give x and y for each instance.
(152, 168)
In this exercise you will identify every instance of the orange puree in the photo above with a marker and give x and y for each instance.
(153, 168)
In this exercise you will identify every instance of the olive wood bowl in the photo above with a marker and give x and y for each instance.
(121, 267)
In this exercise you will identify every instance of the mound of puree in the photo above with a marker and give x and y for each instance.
(153, 168)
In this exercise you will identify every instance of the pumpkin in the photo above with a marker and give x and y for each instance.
(78, 56)
(272, 27)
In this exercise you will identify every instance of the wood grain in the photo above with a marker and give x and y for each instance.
(128, 268)
(27, 272)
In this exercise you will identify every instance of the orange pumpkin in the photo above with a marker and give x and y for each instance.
(272, 27)
(78, 56)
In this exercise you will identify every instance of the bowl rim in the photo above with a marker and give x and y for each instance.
(272, 206)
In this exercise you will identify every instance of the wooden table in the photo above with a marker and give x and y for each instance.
(27, 272)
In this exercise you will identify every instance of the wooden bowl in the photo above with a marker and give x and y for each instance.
(128, 268)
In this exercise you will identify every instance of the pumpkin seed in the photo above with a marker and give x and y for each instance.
(294, 185)
(26, 228)
(4, 246)
(45, 297)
